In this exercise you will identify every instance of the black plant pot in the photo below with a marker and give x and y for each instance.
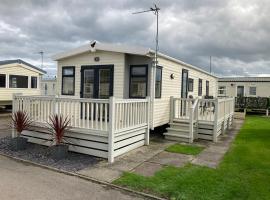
(58, 152)
(18, 143)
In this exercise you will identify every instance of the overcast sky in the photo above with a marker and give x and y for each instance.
(236, 33)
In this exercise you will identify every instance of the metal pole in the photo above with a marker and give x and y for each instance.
(210, 64)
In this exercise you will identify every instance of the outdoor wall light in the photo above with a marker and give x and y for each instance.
(172, 76)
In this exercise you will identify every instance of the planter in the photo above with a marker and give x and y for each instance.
(18, 143)
(58, 152)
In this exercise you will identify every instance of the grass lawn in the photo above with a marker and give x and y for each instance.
(185, 149)
(243, 174)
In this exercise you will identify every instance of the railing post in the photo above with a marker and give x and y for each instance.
(14, 108)
(215, 120)
(191, 124)
(111, 130)
(171, 109)
(147, 136)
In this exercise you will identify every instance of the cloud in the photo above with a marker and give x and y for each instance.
(234, 33)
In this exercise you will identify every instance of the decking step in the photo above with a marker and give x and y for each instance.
(185, 121)
(176, 135)
(178, 130)
(179, 124)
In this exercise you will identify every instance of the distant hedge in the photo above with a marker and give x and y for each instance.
(252, 102)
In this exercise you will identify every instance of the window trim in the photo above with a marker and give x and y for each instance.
(207, 87)
(31, 82)
(5, 81)
(200, 88)
(189, 79)
(130, 76)
(68, 67)
(161, 68)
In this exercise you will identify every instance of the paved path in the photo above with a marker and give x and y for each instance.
(19, 181)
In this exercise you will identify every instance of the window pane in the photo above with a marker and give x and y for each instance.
(88, 86)
(190, 84)
(138, 71)
(33, 82)
(68, 85)
(207, 88)
(16, 81)
(200, 87)
(138, 87)
(252, 90)
(2, 80)
(104, 83)
(158, 82)
(68, 72)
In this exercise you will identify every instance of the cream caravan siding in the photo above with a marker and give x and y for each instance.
(106, 58)
(172, 87)
(18, 69)
(262, 88)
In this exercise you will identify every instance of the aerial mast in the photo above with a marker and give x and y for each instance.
(155, 9)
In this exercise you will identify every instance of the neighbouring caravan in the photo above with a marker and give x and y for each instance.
(18, 76)
(48, 86)
(244, 87)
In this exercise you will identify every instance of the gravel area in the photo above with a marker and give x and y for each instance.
(39, 154)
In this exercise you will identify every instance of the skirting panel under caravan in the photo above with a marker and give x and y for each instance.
(95, 144)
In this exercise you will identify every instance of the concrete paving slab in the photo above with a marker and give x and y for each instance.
(122, 165)
(147, 169)
(168, 158)
(101, 173)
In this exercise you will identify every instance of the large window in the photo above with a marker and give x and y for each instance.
(68, 80)
(252, 90)
(200, 88)
(222, 90)
(16, 81)
(138, 81)
(190, 84)
(2, 80)
(158, 82)
(33, 82)
(207, 88)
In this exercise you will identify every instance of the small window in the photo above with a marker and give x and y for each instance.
(138, 81)
(207, 88)
(2, 80)
(33, 82)
(222, 90)
(158, 82)
(200, 88)
(190, 84)
(16, 81)
(46, 88)
(68, 80)
(252, 90)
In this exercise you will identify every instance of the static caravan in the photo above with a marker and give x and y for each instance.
(48, 86)
(17, 76)
(244, 87)
(114, 95)
(126, 72)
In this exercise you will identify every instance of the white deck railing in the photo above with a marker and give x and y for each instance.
(124, 122)
(211, 111)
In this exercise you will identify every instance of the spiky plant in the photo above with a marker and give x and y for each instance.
(21, 121)
(58, 126)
